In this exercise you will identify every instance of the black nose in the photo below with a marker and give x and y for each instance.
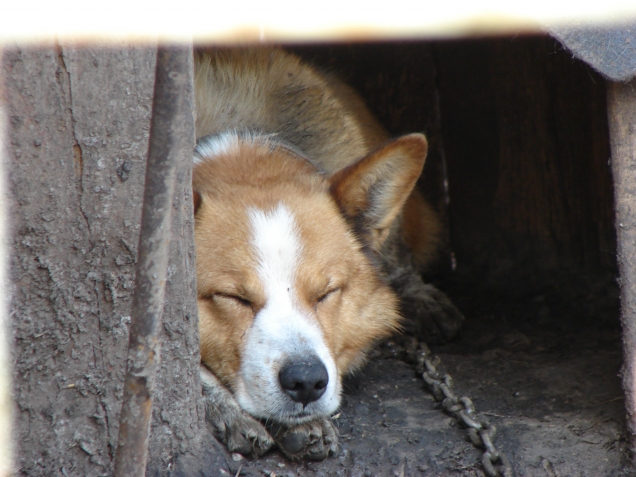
(304, 381)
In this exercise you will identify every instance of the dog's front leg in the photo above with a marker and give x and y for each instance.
(429, 314)
(314, 440)
(237, 430)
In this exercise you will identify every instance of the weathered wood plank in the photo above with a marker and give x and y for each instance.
(621, 112)
(78, 132)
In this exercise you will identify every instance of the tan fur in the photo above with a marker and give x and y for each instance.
(361, 312)
(318, 113)
(305, 142)
(278, 94)
(352, 186)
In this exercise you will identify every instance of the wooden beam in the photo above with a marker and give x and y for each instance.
(621, 110)
(6, 361)
(165, 149)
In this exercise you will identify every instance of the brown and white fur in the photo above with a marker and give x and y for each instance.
(302, 208)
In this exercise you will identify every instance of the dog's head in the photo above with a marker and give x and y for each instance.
(289, 297)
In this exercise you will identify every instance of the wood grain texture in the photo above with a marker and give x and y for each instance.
(622, 120)
(527, 148)
(78, 133)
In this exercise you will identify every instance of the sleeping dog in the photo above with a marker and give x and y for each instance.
(308, 233)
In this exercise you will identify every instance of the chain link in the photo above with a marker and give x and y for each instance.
(480, 432)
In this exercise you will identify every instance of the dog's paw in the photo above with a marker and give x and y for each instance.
(429, 314)
(314, 440)
(241, 433)
(237, 430)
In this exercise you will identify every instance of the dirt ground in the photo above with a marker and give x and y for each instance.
(541, 362)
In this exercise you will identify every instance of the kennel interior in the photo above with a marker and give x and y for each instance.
(519, 168)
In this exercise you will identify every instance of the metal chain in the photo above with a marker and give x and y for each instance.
(480, 431)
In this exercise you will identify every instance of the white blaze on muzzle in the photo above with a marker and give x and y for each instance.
(282, 333)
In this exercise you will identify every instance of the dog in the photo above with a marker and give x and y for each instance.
(309, 237)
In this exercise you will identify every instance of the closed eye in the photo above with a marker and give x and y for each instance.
(327, 294)
(237, 299)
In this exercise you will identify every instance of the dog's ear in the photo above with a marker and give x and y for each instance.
(196, 200)
(372, 191)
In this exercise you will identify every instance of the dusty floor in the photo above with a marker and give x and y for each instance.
(541, 364)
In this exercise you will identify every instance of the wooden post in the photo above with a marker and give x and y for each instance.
(6, 364)
(78, 118)
(621, 110)
(164, 151)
